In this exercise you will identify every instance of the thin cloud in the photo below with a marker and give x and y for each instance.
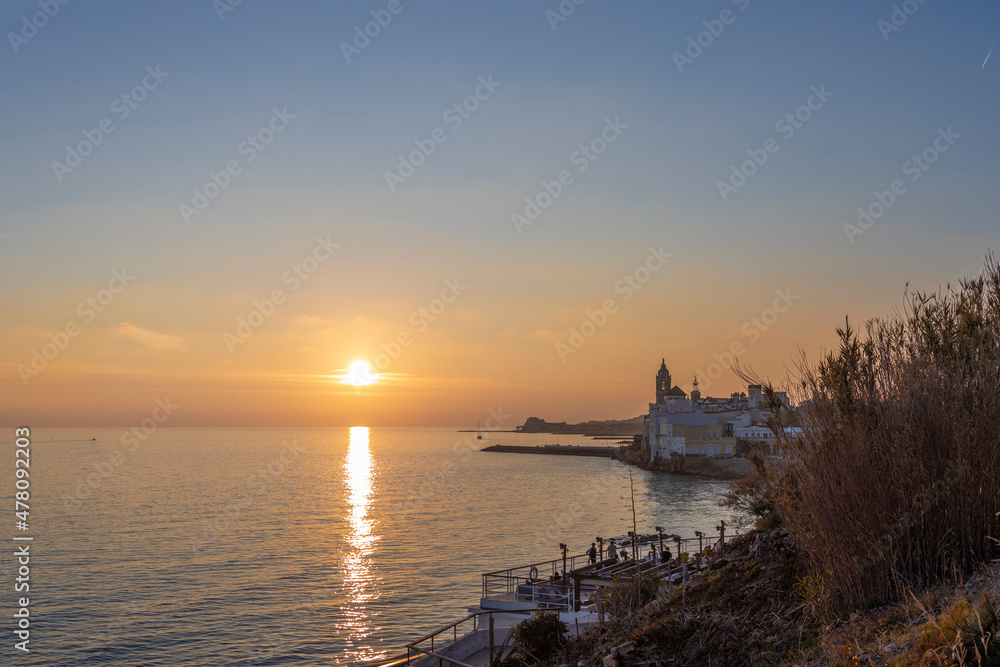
(149, 338)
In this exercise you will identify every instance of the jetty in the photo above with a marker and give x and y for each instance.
(573, 586)
(557, 450)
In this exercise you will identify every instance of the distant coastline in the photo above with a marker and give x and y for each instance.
(610, 428)
(623, 428)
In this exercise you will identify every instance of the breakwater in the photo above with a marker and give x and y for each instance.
(558, 450)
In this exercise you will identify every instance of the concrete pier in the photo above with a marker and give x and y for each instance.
(558, 450)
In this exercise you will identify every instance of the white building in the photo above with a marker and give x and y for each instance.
(679, 425)
(682, 425)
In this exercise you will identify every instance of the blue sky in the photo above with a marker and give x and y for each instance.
(656, 184)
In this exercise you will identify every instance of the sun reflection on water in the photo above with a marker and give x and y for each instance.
(359, 580)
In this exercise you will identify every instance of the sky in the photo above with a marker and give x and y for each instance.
(507, 208)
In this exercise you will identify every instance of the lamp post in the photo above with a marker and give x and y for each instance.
(600, 544)
(722, 534)
(659, 530)
(562, 545)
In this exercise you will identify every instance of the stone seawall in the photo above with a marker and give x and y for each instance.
(702, 466)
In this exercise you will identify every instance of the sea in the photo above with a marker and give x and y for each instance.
(325, 546)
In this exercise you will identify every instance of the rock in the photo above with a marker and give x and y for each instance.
(611, 661)
(623, 649)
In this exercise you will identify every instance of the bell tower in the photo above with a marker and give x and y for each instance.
(663, 383)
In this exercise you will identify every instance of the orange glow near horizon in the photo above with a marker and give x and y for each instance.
(334, 362)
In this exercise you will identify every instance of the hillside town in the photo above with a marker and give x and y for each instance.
(682, 424)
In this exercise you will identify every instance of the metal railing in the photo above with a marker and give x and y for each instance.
(472, 620)
(541, 585)
(538, 583)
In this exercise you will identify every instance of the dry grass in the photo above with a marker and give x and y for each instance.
(895, 484)
(890, 500)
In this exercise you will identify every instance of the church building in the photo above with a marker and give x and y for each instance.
(680, 425)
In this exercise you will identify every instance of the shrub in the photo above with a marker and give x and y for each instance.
(963, 634)
(752, 497)
(895, 481)
(540, 637)
(625, 598)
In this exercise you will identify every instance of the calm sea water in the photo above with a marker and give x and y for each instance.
(235, 547)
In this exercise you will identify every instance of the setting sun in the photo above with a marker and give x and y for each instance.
(360, 373)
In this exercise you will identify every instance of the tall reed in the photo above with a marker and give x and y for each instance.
(894, 482)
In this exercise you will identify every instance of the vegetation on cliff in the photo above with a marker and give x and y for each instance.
(876, 537)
